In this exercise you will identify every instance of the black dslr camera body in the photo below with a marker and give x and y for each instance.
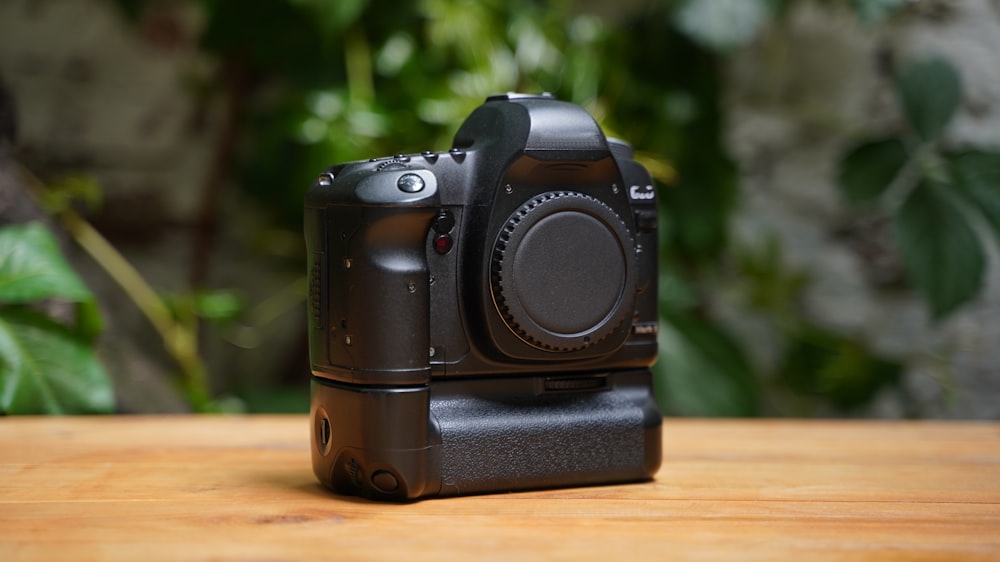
(484, 319)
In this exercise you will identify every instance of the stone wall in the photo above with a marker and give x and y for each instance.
(807, 89)
(127, 105)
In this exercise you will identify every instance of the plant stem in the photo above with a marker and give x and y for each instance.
(906, 180)
(178, 339)
(358, 60)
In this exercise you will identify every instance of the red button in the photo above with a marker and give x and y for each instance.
(443, 243)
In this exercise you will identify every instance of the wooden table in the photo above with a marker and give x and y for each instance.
(241, 488)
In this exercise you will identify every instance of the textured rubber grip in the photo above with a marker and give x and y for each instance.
(490, 445)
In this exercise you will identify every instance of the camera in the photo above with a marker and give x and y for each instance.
(483, 319)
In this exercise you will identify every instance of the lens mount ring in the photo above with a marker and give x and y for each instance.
(562, 273)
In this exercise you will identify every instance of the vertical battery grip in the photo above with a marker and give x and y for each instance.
(485, 435)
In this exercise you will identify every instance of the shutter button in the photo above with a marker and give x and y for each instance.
(410, 183)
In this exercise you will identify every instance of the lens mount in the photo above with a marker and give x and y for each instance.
(562, 271)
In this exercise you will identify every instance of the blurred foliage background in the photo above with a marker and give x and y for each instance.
(293, 86)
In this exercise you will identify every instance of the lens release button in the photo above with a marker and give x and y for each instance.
(410, 183)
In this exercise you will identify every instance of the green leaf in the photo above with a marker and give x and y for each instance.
(333, 17)
(943, 256)
(697, 210)
(868, 169)
(214, 305)
(770, 285)
(852, 376)
(276, 399)
(842, 371)
(72, 191)
(220, 306)
(930, 91)
(89, 322)
(32, 267)
(46, 369)
(702, 371)
(977, 177)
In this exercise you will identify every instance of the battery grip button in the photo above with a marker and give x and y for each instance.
(385, 481)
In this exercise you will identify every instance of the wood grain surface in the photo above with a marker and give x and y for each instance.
(241, 488)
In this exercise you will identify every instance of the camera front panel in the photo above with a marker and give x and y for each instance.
(560, 261)
(555, 271)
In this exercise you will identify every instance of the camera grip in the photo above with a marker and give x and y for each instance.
(379, 301)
